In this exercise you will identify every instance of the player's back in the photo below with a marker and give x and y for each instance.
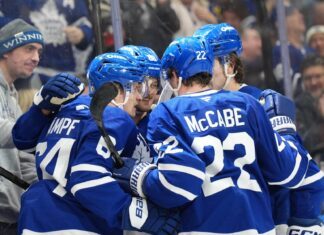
(216, 127)
(58, 143)
(218, 148)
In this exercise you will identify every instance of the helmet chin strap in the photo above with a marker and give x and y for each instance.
(175, 90)
(228, 76)
(121, 105)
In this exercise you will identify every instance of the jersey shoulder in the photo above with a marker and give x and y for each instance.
(251, 90)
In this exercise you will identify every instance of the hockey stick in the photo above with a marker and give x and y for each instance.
(13, 178)
(103, 96)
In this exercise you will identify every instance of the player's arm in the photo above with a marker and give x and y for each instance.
(282, 161)
(307, 199)
(176, 177)
(59, 90)
(92, 185)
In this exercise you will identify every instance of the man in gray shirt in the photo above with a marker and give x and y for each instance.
(20, 48)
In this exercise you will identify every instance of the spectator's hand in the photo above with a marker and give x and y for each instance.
(59, 90)
(74, 34)
(144, 216)
(280, 110)
(203, 13)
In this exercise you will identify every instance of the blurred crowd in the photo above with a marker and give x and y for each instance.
(69, 42)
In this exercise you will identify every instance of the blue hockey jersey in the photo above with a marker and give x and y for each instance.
(251, 90)
(216, 153)
(73, 165)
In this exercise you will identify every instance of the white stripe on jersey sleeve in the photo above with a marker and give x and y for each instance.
(319, 175)
(175, 189)
(184, 169)
(61, 232)
(91, 183)
(292, 175)
(88, 167)
(59, 190)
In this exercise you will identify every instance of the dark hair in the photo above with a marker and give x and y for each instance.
(238, 67)
(312, 60)
(202, 79)
(237, 7)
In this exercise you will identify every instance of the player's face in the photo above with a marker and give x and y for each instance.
(23, 60)
(313, 80)
(218, 80)
(134, 98)
(146, 103)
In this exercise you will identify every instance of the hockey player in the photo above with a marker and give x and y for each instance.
(208, 146)
(76, 193)
(148, 58)
(301, 206)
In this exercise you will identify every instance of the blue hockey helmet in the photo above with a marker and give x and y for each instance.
(114, 67)
(187, 56)
(145, 56)
(221, 38)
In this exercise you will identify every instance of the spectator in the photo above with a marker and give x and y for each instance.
(252, 57)
(309, 103)
(20, 50)
(315, 39)
(149, 26)
(67, 34)
(295, 27)
(318, 12)
(192, 15)
(241, 9)
(236, 14)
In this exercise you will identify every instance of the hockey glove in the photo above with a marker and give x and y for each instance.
(131, 176)
(59, 90)
(280, 110)
(305, 226)
(145, 216)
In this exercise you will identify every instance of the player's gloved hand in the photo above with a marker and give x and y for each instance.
(305, 226)
(131, 176)
(145, 216)
(59, 90)
(281, 111)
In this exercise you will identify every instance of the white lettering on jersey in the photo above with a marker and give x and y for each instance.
(220, 118)
(62, 124)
